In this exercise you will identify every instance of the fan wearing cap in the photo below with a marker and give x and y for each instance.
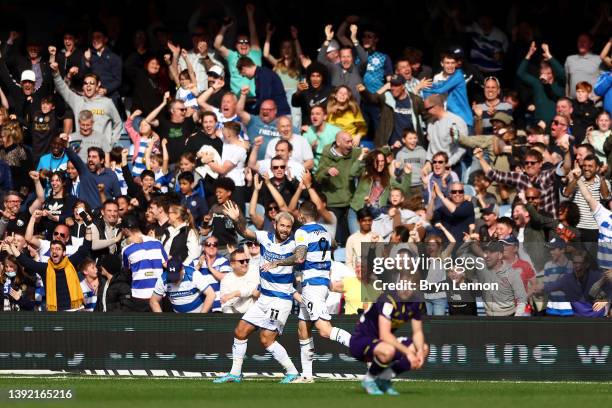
(187, 289)
(400, 111)
(245, 46)
(511, 256)
(555, 269)
(509, 297)
(23, 96)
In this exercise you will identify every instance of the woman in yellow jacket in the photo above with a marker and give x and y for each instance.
(343, 111)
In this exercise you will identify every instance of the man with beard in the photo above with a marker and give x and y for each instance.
(91, 175)
(509, 298)
(599, 189)
(62, 286)
(271, 310)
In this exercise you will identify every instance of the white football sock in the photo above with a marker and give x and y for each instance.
(341, 336)
(280, 354)
(239, 349)
(307, 355)
(387, 374)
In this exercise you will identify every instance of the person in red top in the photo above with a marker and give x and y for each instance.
(511, 249)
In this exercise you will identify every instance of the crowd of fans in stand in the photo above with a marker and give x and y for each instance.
(103, 188)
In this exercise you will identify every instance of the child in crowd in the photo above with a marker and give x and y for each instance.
(413, 154)
(159, 164)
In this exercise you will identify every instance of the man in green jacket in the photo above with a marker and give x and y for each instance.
(338, 165)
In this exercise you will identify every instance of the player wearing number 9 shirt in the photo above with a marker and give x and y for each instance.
(313, 253)
(269, 313)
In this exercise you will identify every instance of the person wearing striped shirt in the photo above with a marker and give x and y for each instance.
(271, 310)
(89, 284)
(313, 253)
(603, 216)
(187, 289)
(145, 258)
(213, 267)
(598, 188)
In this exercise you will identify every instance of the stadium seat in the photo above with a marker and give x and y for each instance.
(505, 210)
(469, 190)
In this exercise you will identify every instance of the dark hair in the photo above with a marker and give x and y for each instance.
(236, 252)
(413, 55)
(85, 204)
(309, 209)
(321, 107)
(289, 145)
(592, 157)
(98, 150)
(233, 127)
(448, 55)
(244, 62)
(110, 201)
(147, 173)
(226, 184)
(370, 168)
(536, 154)
(477, 174)
(587, 146)
(209, 113)
(47, 99)
(506, 221)
(403, 232)
(115, 154)
(364, 213)
(186, 176)
(161, 201)
(573, 212)
(58, 242)
(401, 59)
(441, 154)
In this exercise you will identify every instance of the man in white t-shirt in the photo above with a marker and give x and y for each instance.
(301, 150)
(284, 150)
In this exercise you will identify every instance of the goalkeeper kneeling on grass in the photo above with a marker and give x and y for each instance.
(373, 339)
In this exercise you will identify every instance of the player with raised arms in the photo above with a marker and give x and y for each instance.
(313, 252)
(269, 313)
(374, 341)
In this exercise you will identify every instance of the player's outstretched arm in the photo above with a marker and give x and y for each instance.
(233, 212)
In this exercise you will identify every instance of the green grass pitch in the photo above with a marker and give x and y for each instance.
(94, 392)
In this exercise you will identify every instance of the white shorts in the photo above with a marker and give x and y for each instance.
(269, 313)
(313, 306)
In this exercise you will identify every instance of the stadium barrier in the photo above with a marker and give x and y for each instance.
(461, 348)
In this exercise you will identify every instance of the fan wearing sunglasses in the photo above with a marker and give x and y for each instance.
(533, 175)
(456, 214)
(61, 232)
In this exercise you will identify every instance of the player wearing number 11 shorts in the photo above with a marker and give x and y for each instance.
(269, 313)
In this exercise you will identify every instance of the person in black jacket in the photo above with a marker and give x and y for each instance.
(115, 287)
(21, 287)
(314, 91)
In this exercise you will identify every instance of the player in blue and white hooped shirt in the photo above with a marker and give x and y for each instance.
(187, 289)
(89, 284)
(213, 267)
(313, 252)
(145, 258)
(269, 313)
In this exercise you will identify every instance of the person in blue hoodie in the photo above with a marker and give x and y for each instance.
(603, 88)
(451, 82)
